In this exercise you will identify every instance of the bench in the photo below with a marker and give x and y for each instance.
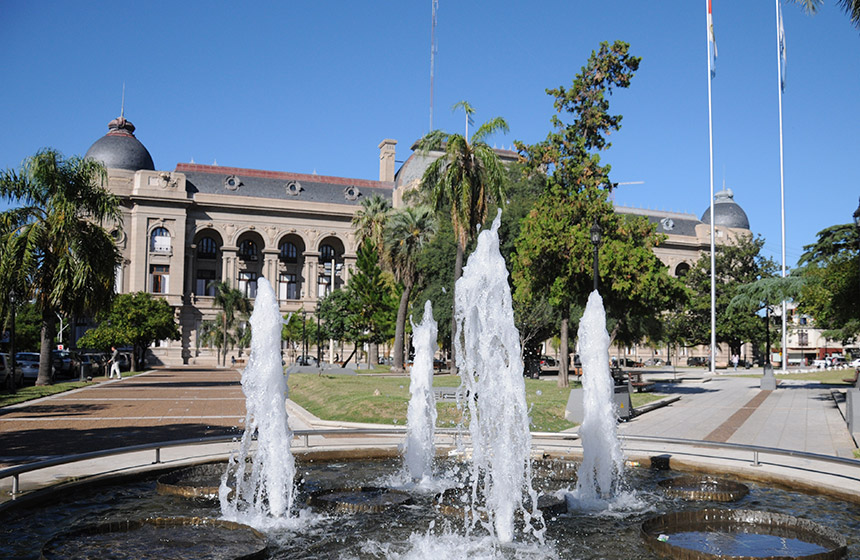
(635, 380)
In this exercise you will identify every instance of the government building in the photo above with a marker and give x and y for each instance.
(185, 229)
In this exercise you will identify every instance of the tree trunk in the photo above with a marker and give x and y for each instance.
(400, 331)
(458, 271)
(46, 360)
(564, 362)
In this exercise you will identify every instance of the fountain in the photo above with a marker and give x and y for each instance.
(499, 488)
(419, 449)
(493, 390)
(266, 491)
(599, 475)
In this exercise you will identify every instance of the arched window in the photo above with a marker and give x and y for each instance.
(289, 253)
(248, 250)
(681, 270)
(207, 248)
(159, 240)
(326, 253)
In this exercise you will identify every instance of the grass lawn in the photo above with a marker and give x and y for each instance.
(384, 400)
(32, 392)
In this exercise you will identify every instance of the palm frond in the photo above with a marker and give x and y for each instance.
(489, 128)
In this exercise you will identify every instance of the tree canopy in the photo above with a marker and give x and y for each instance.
(54, 249)
(136, 320)
(830, 268)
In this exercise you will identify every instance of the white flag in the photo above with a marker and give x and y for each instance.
(781, 38)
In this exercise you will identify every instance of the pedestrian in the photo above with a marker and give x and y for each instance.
(735, 359)
(114, 363)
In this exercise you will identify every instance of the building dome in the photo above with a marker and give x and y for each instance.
(727, 212)
(119, 149)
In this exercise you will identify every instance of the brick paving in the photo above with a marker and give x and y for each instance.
(161, 405)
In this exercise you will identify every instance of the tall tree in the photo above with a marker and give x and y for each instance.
(53, 247)
(551, 249)
(555, 260)
(408, 230)
(369, 220)
(235, 308)
(464, 179)
(831, 268)
(135, 320)
(375, 314)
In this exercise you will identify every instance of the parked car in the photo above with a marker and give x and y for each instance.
(98, 361)
(62, 363)
(694, 361)
(654, 362)
(821, 363)
(6, 373)
(307, 361)
(548, 362)
(855, 363)
(28, 363)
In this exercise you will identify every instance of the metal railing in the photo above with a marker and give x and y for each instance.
(305, 435)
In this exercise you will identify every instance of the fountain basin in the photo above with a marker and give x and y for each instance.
(162, 538)
(740, 534)
(704, 488)
(370, 499)
(199, 481)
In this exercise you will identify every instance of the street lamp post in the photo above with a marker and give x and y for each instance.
(319, 350)
(304, 351)
(595, 240)
(12, 304)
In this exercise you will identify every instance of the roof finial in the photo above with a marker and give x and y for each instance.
(122, 106)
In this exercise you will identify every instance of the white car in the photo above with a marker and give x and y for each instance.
(855, 363)
(28, 363)
(820, 364)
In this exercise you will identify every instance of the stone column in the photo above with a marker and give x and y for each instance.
(228, 265)
(311, 275)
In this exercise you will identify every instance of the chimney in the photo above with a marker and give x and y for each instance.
(386, 160)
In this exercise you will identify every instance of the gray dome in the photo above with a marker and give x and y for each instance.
(119, 149)
(727, 212)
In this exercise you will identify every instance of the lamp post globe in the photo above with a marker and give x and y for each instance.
(595, 240)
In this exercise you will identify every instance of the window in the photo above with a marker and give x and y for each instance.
(288, 288)
(207, 248)
(803, 338)
(204, 285)
(289, 253)
(248, 250)
(681, 270)
(326, 253)
(160, 240)
(248, 284)
(159, 278)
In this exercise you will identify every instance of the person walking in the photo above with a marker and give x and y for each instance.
(114, 364)
(735, 359)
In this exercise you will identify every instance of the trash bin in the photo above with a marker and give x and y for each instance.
(622, 401)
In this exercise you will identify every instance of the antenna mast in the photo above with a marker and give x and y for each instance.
(435, 5)
(122, 106)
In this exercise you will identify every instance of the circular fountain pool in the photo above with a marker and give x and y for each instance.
(415, 530)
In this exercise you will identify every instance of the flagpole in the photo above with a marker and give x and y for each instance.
(711, 157)
(780, 50)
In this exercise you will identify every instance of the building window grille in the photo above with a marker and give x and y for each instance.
(289, 253)
(248, 250)
(207, 248)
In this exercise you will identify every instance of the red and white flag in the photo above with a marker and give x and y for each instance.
(712, 41)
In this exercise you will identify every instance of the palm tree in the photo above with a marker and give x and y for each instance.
(234, 306)
(53, 248)
(369, 220)
(406, 232)
(467, 177)
(851, 7)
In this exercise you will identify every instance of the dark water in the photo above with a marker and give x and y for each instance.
(413, 531)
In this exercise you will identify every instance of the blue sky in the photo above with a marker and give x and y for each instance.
(315, 86)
